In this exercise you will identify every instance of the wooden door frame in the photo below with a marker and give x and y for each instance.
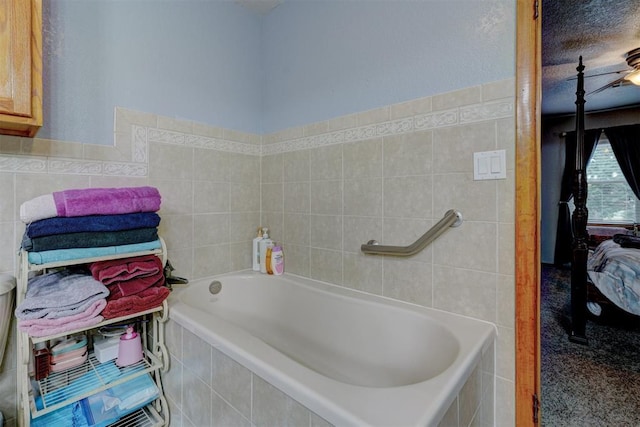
(527, 205)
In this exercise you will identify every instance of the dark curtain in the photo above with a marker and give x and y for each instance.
(564, 233)
(625, 143)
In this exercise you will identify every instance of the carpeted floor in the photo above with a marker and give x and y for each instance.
(594, 385)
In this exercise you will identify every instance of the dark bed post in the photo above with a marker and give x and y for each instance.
(579, 221)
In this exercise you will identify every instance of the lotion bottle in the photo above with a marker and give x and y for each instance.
(268, 261)
(264, 244)
(277, 260)
(129, 348)
(256, 251)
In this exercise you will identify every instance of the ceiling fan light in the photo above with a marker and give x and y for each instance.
(633, 77)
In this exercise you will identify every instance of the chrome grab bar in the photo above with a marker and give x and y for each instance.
(452, 218)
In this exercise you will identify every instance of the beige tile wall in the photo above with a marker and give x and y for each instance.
(209, 179)
(323, 190)
(390, 174)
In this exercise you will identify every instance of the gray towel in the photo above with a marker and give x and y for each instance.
(59, 294)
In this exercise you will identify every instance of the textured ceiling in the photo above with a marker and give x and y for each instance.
(602, 32)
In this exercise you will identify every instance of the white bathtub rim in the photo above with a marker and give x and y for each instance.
(278, 369)
(339, 289)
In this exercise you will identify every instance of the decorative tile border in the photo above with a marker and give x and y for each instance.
(139, 145)
(125, 169)
(197, 141)
(75, 167)
(54, 165)
(462, 115)
(23, 164)
(487, 111)
(141, 136)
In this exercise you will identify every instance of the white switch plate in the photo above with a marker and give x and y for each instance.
(489, 165)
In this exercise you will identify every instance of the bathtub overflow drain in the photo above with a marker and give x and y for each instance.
(215, 287)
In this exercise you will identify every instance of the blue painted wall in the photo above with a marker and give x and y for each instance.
(190, 59)
(217, 63)
(324, 59)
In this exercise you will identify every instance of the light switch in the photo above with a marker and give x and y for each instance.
(495, 164)
(482, 166)
(489, 165)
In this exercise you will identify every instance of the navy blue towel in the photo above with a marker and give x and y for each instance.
(80, 224)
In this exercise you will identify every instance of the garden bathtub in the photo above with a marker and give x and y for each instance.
(353, 358)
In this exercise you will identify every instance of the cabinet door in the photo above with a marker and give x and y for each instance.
(20, 67)
(15, 68)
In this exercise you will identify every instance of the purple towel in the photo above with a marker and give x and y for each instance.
(106, 201)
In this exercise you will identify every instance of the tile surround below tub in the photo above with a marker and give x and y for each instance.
(237, 396)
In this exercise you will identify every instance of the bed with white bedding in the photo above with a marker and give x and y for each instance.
(614, 268)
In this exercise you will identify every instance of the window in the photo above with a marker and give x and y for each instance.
(610, 199)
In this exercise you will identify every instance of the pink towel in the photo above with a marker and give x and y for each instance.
(106, 201)
(118, 270)
(46, 327)
(149, 298)
(37, 331)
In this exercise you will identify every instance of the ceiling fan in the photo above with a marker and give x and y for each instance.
(631, 76)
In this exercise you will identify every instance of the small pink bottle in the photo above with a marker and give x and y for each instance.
(129, 348)
(277, 260)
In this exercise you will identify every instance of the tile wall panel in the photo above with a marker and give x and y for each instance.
(209, 179)
(323, 189)
(389, 174)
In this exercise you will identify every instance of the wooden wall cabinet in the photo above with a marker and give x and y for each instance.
(20, 67)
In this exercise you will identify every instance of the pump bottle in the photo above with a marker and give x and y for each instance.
(255, 263)
(265, 243)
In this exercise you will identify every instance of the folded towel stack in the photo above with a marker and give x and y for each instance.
(135, 284)
(84, 223)
(61, 301)
(91, 201)
(103, 221)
